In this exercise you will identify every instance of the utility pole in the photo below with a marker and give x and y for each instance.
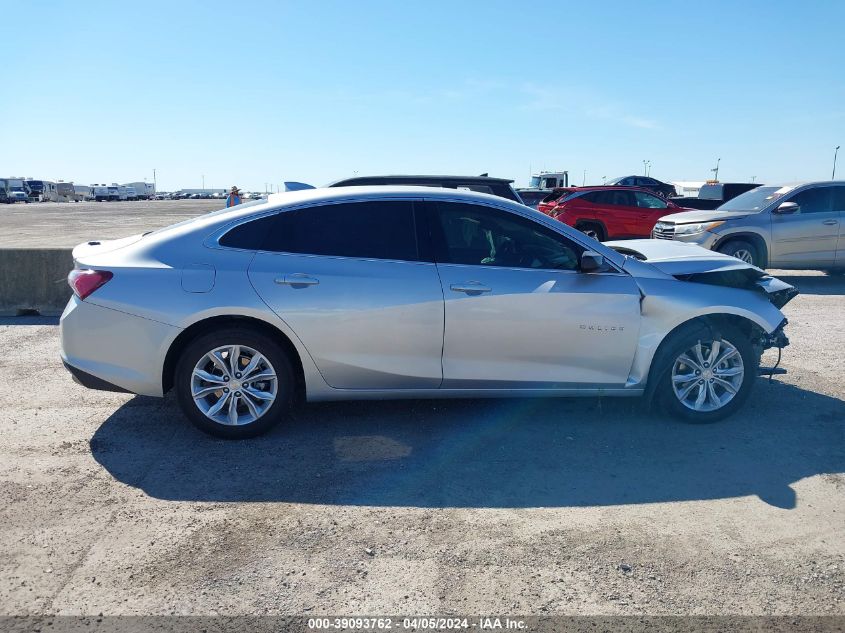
(835, 152)
(715, 170)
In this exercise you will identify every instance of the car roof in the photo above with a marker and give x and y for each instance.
(611, 188)
(424, 177)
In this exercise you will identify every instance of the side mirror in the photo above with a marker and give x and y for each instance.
(787, 208)
(591, 262)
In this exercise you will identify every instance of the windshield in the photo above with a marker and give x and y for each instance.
(615, 181)
(756, 199)
(535, 182)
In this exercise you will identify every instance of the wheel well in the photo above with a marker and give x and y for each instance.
(202, 327)
(597, 223)
(756, 241)
(713, 322)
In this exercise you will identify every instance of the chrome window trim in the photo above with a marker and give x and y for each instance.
(213, 239)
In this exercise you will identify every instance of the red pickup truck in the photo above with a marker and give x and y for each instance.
(610, 212)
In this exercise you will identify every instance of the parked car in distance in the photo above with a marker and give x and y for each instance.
(797, 226)
(532, 197)
(500, 187)
(410, 292)
(611, 212)
(663, 189)
(714, 194)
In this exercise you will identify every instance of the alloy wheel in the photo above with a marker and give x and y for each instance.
(708, 376)
(745, 255)
(234, 385)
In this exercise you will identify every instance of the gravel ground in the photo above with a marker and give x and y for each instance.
(113, 504)
(64, 225)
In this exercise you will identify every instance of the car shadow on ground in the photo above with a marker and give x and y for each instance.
(831, 285)
(483, 453)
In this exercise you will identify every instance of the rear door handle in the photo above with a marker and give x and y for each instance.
(297, 280)
(830, 222)
(471, 288)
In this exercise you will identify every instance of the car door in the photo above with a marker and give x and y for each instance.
(352, 282)
(839, 207)
(619, 212)
(650, 208)
(519, 314)
(807, 238)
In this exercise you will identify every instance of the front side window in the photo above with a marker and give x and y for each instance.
(647, 201)
(383, 229)
(477, 235)
(815, 200)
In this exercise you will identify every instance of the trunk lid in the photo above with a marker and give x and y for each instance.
(95, 248)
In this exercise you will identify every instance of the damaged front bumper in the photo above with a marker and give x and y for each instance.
(776, 339)
(778, 292)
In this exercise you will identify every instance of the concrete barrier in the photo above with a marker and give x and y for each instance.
(34, 279)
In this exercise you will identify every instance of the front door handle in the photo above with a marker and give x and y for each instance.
(297, 280)
(471, 288)
(830, 222)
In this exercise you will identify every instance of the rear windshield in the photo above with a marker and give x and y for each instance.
(756, 199)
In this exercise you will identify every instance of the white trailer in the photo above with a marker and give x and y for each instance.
(143, 190)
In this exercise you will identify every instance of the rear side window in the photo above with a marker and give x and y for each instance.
(250, 235)
(369, 230)
(608, 197)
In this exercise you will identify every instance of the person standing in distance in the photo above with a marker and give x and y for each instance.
(234, 197)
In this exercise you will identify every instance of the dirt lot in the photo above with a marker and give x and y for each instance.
(63, 225)
(114, 504)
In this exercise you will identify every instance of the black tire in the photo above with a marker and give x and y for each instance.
(739, 249)
(246, 337)
(682, 341)
(592, 229)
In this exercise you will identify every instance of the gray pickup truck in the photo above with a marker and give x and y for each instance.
(796, 226)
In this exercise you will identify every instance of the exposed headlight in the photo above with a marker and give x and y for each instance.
(693, 229)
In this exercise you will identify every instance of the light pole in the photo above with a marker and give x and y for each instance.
(584, 179)
(715, 170)
(155, 187)
(203, 182)
(835, 152)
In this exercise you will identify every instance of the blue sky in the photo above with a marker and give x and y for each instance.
(253, 92)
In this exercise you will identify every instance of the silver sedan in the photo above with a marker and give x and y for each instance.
(402, 292)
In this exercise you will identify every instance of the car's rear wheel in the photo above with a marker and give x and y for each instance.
(742, 250)
(706, 375)
(592, 229)
(234, 383)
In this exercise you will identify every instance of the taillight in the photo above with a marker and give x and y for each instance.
(84, 282)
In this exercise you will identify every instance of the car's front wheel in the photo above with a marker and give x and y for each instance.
(742, 250)
(234, 383)
(706, 375)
